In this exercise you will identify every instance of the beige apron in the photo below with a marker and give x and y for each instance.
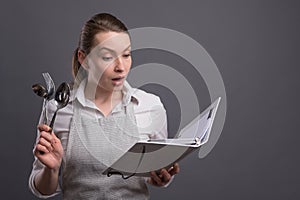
(94, 144)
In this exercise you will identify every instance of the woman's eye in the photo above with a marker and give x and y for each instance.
(107, 58)
(126, 55)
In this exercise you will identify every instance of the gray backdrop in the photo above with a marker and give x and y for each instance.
(255, 45)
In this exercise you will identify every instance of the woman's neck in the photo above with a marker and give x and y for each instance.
(104, 99)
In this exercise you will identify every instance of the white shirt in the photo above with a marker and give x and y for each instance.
(149, 112)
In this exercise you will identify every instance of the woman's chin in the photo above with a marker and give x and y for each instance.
(118, 87)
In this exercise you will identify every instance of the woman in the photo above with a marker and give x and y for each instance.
(104, 117)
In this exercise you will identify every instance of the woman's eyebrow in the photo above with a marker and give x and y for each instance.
(107, 49)
(113, 51)
(127, 48)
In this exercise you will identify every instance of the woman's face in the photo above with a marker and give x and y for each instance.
(109, 62)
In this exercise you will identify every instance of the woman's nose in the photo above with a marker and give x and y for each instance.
(119, 65)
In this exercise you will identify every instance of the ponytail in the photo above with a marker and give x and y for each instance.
(79, 73)
(75, 63)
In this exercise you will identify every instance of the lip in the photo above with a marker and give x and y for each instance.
(118, 80)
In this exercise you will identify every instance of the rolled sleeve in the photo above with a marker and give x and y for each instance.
(37, 167)
(150, 116)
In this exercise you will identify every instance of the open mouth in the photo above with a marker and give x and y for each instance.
(117, 79)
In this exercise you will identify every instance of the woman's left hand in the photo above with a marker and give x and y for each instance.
(164, 176)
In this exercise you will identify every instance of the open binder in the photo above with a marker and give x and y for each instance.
(153, 155)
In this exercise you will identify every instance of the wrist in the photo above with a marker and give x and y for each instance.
(46, 181)
(51, 171)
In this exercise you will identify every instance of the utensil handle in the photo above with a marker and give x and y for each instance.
(53, 119)
(51, 126)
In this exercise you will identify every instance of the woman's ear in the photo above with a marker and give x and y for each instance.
(82, 59)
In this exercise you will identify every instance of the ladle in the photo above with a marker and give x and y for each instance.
(62, 97)
(40, 90)
(47, 94)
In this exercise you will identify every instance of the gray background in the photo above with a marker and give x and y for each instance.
(255, 45)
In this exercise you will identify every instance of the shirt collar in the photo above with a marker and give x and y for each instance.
(129, 95)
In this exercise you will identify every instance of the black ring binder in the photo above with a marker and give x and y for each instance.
(111, 172)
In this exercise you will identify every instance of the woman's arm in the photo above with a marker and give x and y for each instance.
(46, 181)
(49, 152)
(159, 119)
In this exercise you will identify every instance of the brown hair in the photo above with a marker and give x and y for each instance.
(102, 22)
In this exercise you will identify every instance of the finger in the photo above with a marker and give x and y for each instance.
(45, 143)
(55, 141)
(44, 127)
(174, 169)
(54, 137)
(150, 180)
(40, 148)
(46, 136)
(155, 178)
(165, 176)
(171, 168)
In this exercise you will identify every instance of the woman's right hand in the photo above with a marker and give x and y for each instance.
(48, 149)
